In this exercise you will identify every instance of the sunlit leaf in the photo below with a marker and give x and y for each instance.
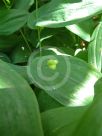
(76, 121)
(95, 48)
(59, 13)
(71, 82)
(83, 29)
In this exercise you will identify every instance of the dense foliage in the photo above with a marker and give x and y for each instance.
(50, 68)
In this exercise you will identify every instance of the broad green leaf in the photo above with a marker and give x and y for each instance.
(83, 29)
(62, 121)
(23, 4)
(19, 113)
(71, 82)
(59, 13)
(22, 70)
(95, 48)
(76, 121)
(12, 20)
(91, 124)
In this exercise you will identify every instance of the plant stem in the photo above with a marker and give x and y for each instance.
(39, 40)
(6, 5)
(38, 28)
(28, 46)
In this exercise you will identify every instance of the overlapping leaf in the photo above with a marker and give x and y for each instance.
(83, 29)
(23, 4)
(45, 101)
(95, 48)
(19, 114)
(59, 13)
(77, 121)
(62, 121)
(71, 82)
(11, 20)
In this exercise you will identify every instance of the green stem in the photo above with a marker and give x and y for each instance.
(38, 28)
(39, 40)
(7, 6)
(28, 46)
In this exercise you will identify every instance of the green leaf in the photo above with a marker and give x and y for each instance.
(71, 83)
(22, 70)
(12, 20)
(62, 121)
(59, 13)
(45, 101)
(19, 113)
(83, 29)
(23, 4)
(76, 121)
(95, 48)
